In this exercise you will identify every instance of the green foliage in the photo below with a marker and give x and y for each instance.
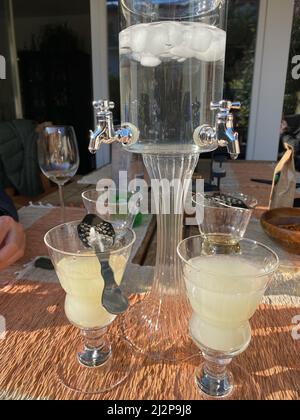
(240, 55)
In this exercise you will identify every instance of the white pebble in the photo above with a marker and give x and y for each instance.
(149, 60)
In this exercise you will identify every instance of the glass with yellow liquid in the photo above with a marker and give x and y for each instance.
(79, 272)
(222, 225)
(224, 288)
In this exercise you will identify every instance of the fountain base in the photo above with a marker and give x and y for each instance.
(158, 326)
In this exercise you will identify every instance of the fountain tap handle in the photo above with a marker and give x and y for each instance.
(103, 105)
(105, 133)
(225, 133)
(225, 106)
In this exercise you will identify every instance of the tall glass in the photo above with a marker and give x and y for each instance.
(58, 157)
(224, 290)
(172, 57)
(103, 362)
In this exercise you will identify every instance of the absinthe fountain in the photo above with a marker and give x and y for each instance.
(172, 57)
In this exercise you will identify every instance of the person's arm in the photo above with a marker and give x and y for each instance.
(7, 207)
(12, 236)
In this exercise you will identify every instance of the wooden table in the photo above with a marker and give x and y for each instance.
(38, 336)
(239, 174)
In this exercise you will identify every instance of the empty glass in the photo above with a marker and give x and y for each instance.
(58, 156)
(118, 207)
(79, 272)
(224, 289)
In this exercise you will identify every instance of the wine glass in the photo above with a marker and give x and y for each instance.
(102, 362)
(58, 156)
(116, 207)
(224, 289)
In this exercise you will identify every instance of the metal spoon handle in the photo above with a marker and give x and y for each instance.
(108, 275)
(106, 271)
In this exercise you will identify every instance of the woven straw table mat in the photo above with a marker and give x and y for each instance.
(38, 335)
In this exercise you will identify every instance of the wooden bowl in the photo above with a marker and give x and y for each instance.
(279, 224)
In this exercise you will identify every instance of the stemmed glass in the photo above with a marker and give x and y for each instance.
(58, 157)
(225, 288)
(102, 362)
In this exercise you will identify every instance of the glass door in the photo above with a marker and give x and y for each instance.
(240, 58)
(10, 98)
(290, 127)
(53, 40)
(291, 104)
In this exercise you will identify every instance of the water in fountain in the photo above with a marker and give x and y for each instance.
(170, 73)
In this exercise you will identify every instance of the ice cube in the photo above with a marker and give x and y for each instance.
(175, 34)
(136, 57)
(216, 50)
(158, 40)
(182, 51)
(124, 39)
(188, 38)
(125, 50)
(166, 55)
(138, 38)
(201, 38)
(149, 60)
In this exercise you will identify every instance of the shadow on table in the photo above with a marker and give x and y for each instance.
(28, 306)
(272, 360)
(273, 356)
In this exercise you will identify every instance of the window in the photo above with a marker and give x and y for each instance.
(53, 41)
(292, 93)
(7, 106)
(113, 26)
(240, 57)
